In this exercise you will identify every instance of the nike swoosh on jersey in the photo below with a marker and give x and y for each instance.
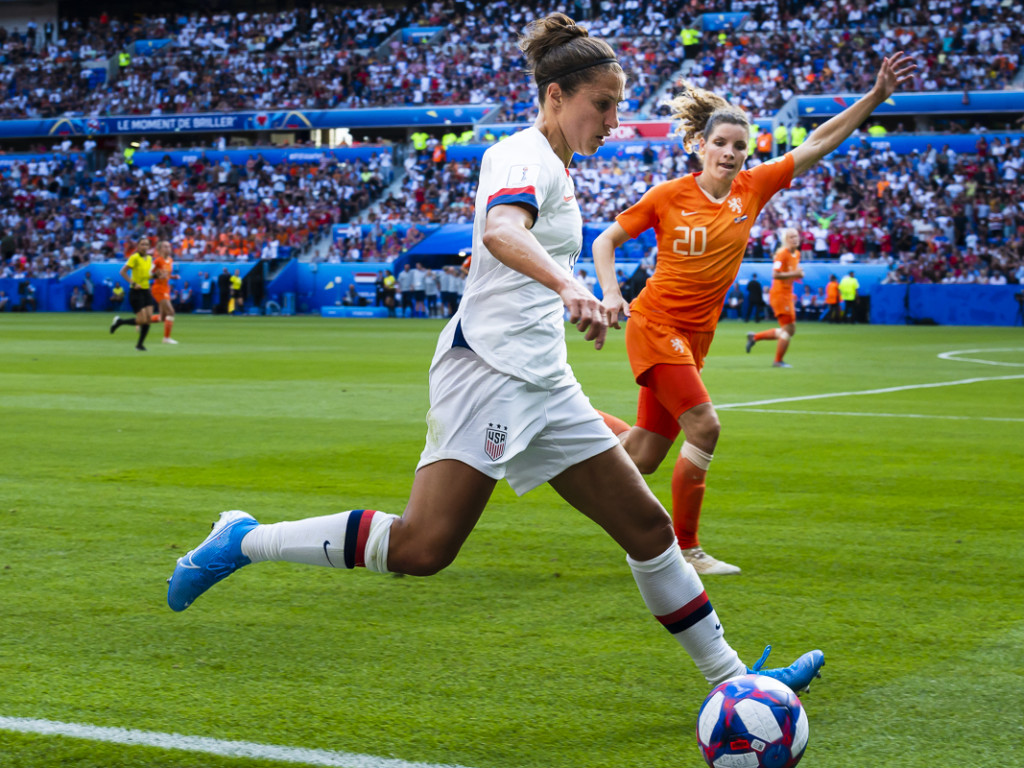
(687, 213)
(567, 199)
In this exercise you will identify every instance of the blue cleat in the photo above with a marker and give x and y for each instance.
(797, 675)
(216, 558)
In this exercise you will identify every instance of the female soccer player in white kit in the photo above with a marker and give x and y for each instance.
(503, 401)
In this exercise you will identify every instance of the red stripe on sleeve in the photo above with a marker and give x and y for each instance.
(514, 191)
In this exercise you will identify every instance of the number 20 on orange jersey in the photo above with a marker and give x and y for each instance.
(690, 241)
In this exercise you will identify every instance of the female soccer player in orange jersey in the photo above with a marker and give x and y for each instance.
(702, 222)
(785, 269)
(163, 271)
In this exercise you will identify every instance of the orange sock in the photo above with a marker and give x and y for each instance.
(168, 324)
(765, 335)
(615, 424)
(687, 496)
(780, 349)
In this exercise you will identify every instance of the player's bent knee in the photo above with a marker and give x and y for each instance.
(706, 433)
(646, 457)
(419, 563)
(657, 536)
(647, 464)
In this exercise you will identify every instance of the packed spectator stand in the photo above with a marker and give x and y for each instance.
(934, 216)
(329, 57)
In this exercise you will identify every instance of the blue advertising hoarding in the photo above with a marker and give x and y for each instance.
(714, 22)
(228, 122)
(272, 155)
(947, 102)
(419, 34)
(325, 288)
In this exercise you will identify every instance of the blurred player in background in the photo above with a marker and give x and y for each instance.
(702, 222)
(785, 269)
(163, 273)
(138, 271)
(503, 400)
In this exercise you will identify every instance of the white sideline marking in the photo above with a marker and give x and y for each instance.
(205, 745)
(884, 415)
(883, 391)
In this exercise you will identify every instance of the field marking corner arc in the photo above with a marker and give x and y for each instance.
(957, 356)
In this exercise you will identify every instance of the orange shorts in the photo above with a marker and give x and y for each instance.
(672, 390)
(666, 363)
(161, 293)
(649, 344)
(784, 308)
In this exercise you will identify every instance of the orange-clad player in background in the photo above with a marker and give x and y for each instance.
(163, 272)
(785, 269)
(702, 222)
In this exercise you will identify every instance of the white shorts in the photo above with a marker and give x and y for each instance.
(504, 427)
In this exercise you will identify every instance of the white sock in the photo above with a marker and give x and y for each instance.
(350, 539)
(672, 591)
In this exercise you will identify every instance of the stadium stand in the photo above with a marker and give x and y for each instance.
(930, 216)
(61, 217)
(329, 57)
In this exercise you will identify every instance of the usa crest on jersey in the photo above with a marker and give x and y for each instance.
(495, 440)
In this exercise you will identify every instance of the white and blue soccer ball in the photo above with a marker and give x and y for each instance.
(752, 721)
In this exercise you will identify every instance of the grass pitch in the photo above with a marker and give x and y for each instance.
(882, 525)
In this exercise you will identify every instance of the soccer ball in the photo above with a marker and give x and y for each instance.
(752, 721)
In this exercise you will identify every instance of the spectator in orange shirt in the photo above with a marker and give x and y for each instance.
(702, 222)
(785, 269)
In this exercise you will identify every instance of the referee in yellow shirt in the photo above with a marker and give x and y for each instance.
(137, 270)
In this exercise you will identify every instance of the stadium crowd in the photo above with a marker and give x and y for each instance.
(933, 216)
(760, 71)
(329, 57)
(961, 215)
(58, 216)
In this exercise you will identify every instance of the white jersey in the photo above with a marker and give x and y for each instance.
(512, 322)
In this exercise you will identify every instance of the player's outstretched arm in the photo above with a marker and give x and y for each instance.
(895, 70)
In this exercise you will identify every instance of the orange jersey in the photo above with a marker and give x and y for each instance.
(700, 242)
(784, 261)
(161, 287)
(166, 265)
(832, 292)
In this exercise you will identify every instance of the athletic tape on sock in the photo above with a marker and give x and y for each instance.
(376, 553)
(697, 457)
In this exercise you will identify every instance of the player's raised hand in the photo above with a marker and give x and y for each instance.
(895, 70)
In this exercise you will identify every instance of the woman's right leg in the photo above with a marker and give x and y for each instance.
(447, 499)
